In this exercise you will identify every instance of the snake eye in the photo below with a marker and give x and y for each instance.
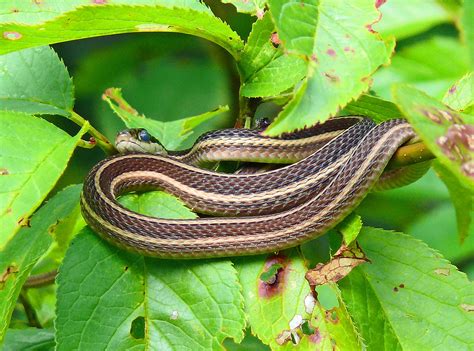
(143, 135)
(264, 123)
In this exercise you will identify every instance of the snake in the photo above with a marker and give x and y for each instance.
(326, 172)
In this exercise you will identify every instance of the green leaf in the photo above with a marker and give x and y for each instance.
(409, 298)
(35, 81)
(350, 227)
(25, 249)
(271, 307)
(438, 126)
(460, 96)
(462, 198)
(155, 302)
(437, 228)
(265, 69)
(114, 19)
(139, 302)
(406, 18)
(29, 339)
(423, 65)
(277, 309)
(346, 52)
(38, 11)
(333, 326)
(296, 23)
(29, 173)
(467, 29)
(371, 106)
(171, 134)
(153, 202)
(253, 7)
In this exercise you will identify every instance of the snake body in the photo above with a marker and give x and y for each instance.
(264, 212)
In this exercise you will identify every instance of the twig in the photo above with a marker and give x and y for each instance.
(100, 139)
(40, 280)
(29, 311)
(410, 154)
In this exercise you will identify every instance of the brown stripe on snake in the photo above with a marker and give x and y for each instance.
(213, 237)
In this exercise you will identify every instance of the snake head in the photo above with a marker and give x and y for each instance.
(138, 140)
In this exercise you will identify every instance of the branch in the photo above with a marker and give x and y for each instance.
(410, 154)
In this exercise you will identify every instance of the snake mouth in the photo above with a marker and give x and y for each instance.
(126, 145)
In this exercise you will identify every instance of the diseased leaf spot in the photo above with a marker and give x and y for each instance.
(395, 289)
(12, 269)
(369, 28)
(52, 228)
(152, 27)
(4, 171)
(125, 268)
(332, 317)
(331, 52)
(315, 337)
(12, 35)
(379, 3)
(401, 286)
(270, 276)
(137, 329)
(468, 308)
(443, 271)
(452, 89)
(99, 2)
(24, 222)
(332, 77)
(174, 315)
(274, 285)
(15, 10)
(275, 40)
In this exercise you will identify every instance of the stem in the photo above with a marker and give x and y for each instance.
(410, 154)
(100, 139)
(29, 311)
(40, 280)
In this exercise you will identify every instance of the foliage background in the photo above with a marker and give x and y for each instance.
(168, 76)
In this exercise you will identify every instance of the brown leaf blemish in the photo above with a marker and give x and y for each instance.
(99, 2)
(468, 308)
(395, 289)
(379, 3)
(52, 227)
(331, 77)
(275, 40)
(24, 222)
(4, 171)
(331, 316)
(452, 89)
(12, 269)
(10, 35)
(331, 52)
(443, 271)
(340, 265)
(401, 286)
(369, 28)
(315, 337)
(15, 10)
(276, 286)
